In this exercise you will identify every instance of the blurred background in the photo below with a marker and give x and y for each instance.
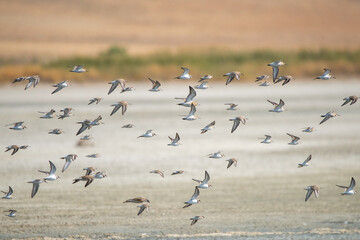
(137, 39)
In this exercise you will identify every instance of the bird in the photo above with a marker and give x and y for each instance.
(15, 148)
(95, 100)
(178, 172)
(33, 81)
(94, 155)
(17, 126)
(191, 116)
(100, 175)
(216, 155)
(84, 125)
(60, 86)
(86, 137)
(174, 141)
(128, 125)
(265, 84)
(275, 67)
(88, 178)
(56, 131)
(195, 219)
(294, 139)
(262, 77)
(158, 172)
(306, 162)
(78, 69)
(237, 121)
(350, 189)
(68, 159)
(185, 74)
(148, 134)
(231, 76)
(326, 75)
(126, 89)
(193, 199)
(137, 200)
(143, 207)
(286, 79)
(206, 77)
(155, 85)
(203, 85)
(310, 190)
(115, 83)
(232, 107)
(36, 183)
(351, 99)
(48, 115)
(11, 213)
(309, 129)
(267, 139)
(278, 107)
(231, 162)
(208, 127)
(189, 99)
(8, 195)
(118, 105)
(328, 115)
(66, 113)
(204, 183)
(50, 174)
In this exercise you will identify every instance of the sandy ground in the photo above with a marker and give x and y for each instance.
(47, 29)
(262, 198)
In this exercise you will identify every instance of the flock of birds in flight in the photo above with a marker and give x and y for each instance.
(91, 174)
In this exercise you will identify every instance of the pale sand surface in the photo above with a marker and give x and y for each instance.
(262, 198)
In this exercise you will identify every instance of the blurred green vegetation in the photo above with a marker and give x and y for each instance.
(116, 63)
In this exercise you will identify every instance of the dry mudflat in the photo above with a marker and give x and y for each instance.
(261, 198)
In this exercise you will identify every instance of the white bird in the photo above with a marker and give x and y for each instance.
(350, 189)
(148, 134)
(216, 155)
(306, 162)
(118, 105)
(262, 77)
(17, 126)
(191, 116)
(174, 141)
(48, 115)
(208, 127)
(278, 107)
(33, 81)
(36, 183)
(294, 139)
(189, 99)
(232, 107)
(51, 174)
(68, 159)
(8, 195)
(193, 199)
(185, 74)
(267, 139)
(115, 83)
(60, 86)
(78, 69)
(326, 75)
(275, 67)
(11, 213)
(237, 121)
(155, 85)
(310, 190)
(204, 183)
(203, 85)
(328, 115)
(206, 77)
(231, 76)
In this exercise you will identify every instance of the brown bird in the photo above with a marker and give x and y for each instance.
(158, 172)
(89, 179)
(137, 200)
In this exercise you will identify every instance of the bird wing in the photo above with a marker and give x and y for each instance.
(192, 110)
(113, 86)
(177, 138)
(142, 208)
(34, 189)
(326, 117)
(281, 103)
(347, 100)
(52, 168)
(308, 159)
(230, 163)
(10, 191)
(124, 108)
(186, 71)
(308, 194)
(235, 125)
(327, 71)
(273, 103)
(196, 193)
(116, 108)
(192, 94)
(229, 79)
(82, 128)
(193, 221)
(275, 73)
(66, 165)
(352, 184)
(207, 178)
(57, 89)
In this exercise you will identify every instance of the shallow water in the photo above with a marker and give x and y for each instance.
(261, 198)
